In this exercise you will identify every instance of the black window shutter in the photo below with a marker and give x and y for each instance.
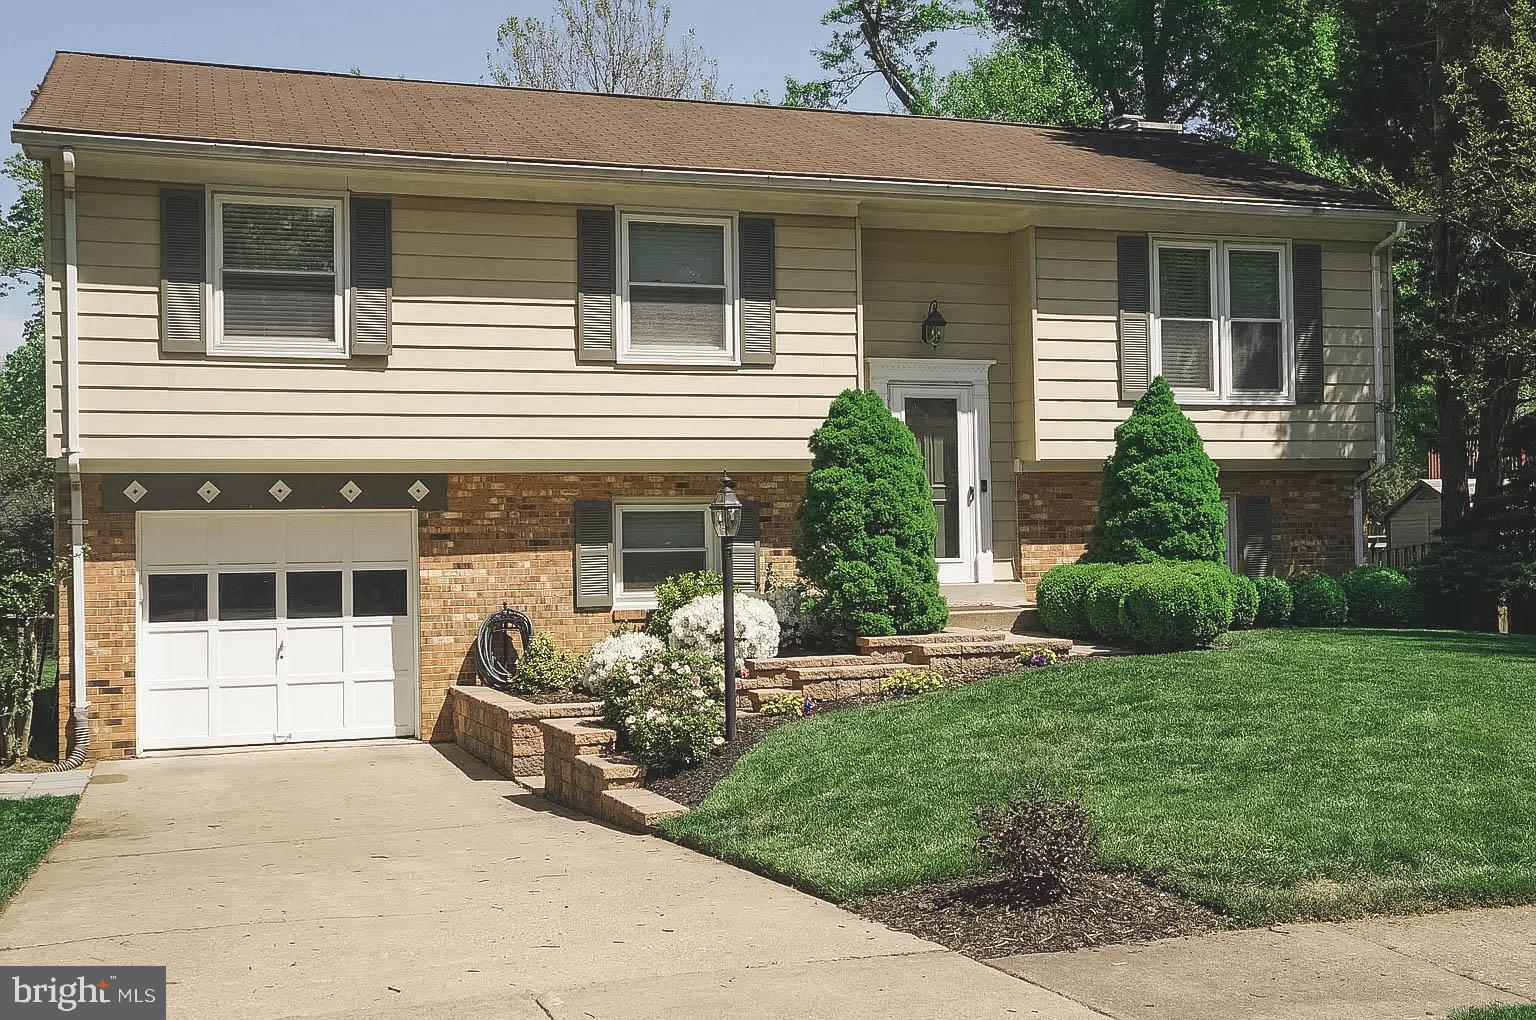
(758, 290)
(183, 267)
(1135, 279)
(372, 279)
(1307, 279)
(744, 548)
(596, 283)
(1255, 535)
(594, 554)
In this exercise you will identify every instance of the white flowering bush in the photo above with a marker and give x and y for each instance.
(613, 651)
(699, 626)
(669, 707)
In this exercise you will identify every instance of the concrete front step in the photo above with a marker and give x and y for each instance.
(1013, 619)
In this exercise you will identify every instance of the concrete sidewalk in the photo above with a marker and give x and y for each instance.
(397, 879)
(1380, 969)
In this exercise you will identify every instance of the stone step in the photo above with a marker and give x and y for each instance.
(863, 669)
(769, 668)
(903, 642)
(1012, 619)
(748, 683)
(929, 653)
(578, 736)
(605, 773)
(639, 810)
(842, 689)
(760, 696)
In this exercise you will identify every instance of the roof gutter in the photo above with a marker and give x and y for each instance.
(343, 159)
(1379, 253)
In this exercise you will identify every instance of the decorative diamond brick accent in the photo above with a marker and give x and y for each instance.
(135, 491)
(280, 490)
(208, 491)
(351, 491)
(418, 490)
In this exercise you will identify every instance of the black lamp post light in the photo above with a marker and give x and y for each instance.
(725, 511)
(933, 326)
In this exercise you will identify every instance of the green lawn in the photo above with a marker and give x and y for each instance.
(1288, 775)
(1496, 1013)
(29, 828)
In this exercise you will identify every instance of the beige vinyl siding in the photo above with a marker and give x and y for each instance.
(970, 276)
(1076, 351)
(484, 364)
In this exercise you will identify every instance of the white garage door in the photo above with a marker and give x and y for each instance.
(261, 628)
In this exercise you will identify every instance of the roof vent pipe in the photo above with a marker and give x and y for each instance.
(1136, 122)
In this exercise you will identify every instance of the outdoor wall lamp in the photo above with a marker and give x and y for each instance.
(725, 512)
(933, 326)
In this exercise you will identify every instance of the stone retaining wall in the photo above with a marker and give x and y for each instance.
(582, 771)
(502, 730)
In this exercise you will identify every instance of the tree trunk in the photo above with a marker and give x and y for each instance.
(1445, 274)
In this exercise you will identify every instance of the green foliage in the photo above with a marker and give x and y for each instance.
(668, 707)
(1489, 556)
(1379, 597)
(1159, 499)
(544, 667)
(914, 681)
(867, 525)
(1106, 599)
(1061, 596)
(1318, 601)
(676, 592)
(1024, 83)
(1171, 609)
(1245, 602)
(1275, 602)
(786, 704)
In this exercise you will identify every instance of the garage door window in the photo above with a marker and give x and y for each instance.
(314, 594)
(248, 596)
(378, 593)
(178, 598)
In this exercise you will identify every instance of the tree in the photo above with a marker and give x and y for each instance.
(612, 46)
(893, 39)
(1020, 83)
(26, 477)
(1438, 100)
(1159, 500)
(867, 525)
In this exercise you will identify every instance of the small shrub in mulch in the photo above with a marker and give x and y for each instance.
(1041, 842)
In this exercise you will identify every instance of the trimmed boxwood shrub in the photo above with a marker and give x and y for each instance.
(867, 525)
(1274, 602)
(1062, 598)
(1318, 601)
(1160, 500)
(1106, 600)
(1379, 597)
(1171, 609)
(1245, 601)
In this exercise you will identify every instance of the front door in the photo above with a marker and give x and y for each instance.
(943, 419)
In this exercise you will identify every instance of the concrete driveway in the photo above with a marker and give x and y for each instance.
(399, 879)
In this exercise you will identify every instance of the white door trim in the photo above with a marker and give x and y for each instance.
(893, 377)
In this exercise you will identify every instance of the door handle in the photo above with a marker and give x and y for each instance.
(280, 646)
(970, 495)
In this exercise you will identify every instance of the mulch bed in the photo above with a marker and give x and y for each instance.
(690, 786)
(27, 765)
(980, 917)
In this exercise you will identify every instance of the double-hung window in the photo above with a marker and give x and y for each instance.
(1222, 323)
(677, 289)
(657, 541)
(278, 275)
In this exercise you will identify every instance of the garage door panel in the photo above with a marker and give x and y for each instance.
(245, 540)
(173, 541)
(246, 653)
(175, 657)
(278, 661)
(314, 651)
(247, 710)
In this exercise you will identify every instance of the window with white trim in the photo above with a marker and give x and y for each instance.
(655, 541)
(278, 276)
(677, 289)
(1222, 328)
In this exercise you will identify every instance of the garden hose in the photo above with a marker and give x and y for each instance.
(496, 669)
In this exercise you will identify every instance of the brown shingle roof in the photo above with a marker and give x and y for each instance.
(164, 99)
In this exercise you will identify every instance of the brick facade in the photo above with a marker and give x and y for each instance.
(502, 538)
(1313, 517)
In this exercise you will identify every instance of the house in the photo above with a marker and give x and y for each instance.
(1413, 522)
(340, 364)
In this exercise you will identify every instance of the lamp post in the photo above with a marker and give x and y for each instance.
(725, 511)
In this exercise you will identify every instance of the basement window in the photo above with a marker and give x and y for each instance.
(655, 542)
(277, 276)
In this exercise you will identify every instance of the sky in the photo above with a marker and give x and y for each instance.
(756, 44)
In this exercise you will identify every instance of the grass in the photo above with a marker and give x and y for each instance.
(30, 826)
(1288, 775)
(1496, 1013)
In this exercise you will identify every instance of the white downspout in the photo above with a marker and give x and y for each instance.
(1378, 383)
(79, 703)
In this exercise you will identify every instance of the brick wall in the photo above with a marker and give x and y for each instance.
(1313, 522)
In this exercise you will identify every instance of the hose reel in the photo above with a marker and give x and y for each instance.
(495, 653)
